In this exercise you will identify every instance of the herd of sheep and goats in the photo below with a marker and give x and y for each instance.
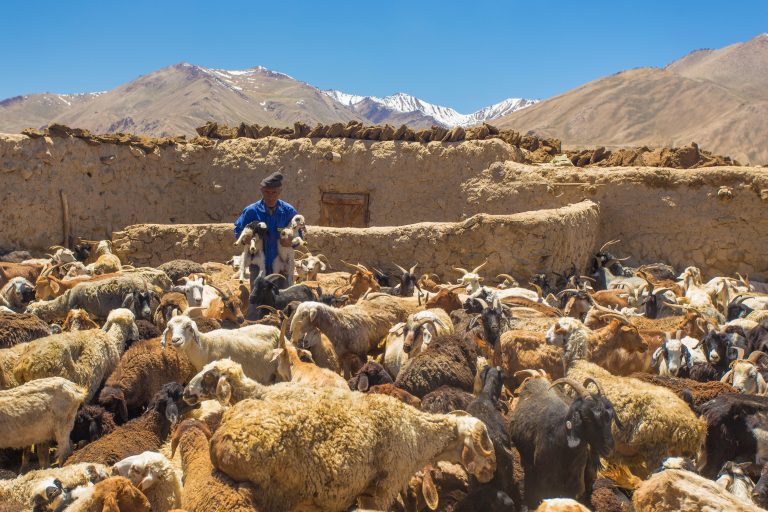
(204, 387)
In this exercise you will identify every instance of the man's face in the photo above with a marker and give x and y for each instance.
(270, 196)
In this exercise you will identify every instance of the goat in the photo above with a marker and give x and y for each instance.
(471, 279)
(251, 239)
(746, 374)
(264, 292)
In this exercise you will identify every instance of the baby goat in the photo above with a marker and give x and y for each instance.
(253, 249)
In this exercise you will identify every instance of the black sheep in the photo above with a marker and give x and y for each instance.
(91, 423)
(176, 269)
(371, 374)
(449, 360)
(446, 399)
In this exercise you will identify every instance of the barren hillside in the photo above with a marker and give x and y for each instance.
(715, 98)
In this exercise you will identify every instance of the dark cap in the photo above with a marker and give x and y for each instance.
(274, 180)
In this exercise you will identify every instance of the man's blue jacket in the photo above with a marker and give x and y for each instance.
(281, 218)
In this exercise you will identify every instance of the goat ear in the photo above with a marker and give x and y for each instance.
(573, 430)
(275, 354)
(147, 482)
(223, 391)
(655, 357)
(312, 315)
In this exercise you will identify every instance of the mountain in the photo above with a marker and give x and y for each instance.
(389, 109)
(176, 99)
(717, 98)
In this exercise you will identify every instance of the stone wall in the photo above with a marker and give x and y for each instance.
(518, 244)
(714, 218)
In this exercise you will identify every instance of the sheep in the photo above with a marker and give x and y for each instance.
(559, 439)
(521, 350)
(78, 320)
(84, 357)
(561, 505)
(148, 330)
(400, 394)
(384, 440)
(446, 399)
(657, 423)
(10, 270)
(449, 360)
(736, 430)
(371, 374)
(16, 294)
(250, 346)
(617, 347)
(290, 368)
(8, 359)
(745, 374)
(224, 380)
(22, 490)
(252, 242)
(153, 474)
(91, 423)
(176, 269)
(113, 494)
(442, 484)
(40, 411)
(98, 298)
(353, 330)
(140, 303)
(18, 328)
(205, 487)
(141, 372)
(684, 491)
(691, 391)
(147, 432)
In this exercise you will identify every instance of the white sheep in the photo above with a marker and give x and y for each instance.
(16, 294)
(38, 412)
(84, 357)
(154, 475)
(331, 451)
(250, 346)
(22, 490)
(408, 339)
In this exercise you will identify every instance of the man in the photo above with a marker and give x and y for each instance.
(272, 211)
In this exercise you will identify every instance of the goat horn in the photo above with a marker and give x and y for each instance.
(401, 269)
(618, 316)
(507, 277)
(480, 440)
(755, 356)
(462, 270)
(477, 268)
(575, 385)
(357, 266)
(587, 278)
(623, 259)
(519, 375)
(539, 291)
(567, 290)
(482, 303)
(283, 330)
(589, 380)
(224, 294)
(608, 244)
(413, 268)
(268, 308)
(322, 258)
(434, 277)
(455, 287)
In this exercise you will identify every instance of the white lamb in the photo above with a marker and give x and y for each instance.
(250, 346)
(251, 240)
(154, 475)
(285, 261)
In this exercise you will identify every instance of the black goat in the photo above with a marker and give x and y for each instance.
(757, 337)
(509, 474)
(495, 322)
(737, 308)
(735, 423)
(140, 303)
(264, 292)
(718, 349)
(560, 439)
(408, 282)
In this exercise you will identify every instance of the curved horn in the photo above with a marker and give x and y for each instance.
(539, 291)
(401, 269)
(519, 375)
(618, 316)
(507, 277)
(755, 356)
(608, 244)
(483, 303)
(587, 278)
(413, 268)
(477, 268)
(462, 270)
(283, 330)
(575, 385)
(589, 380)
(455, 287)
(567, 290)
(224, 295)
(269, 308)
(356, 266)
(322, 258)
(480, 440)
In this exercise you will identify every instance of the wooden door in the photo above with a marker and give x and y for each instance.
(344, 210)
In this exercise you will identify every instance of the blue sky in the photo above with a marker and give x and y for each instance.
(461, 54)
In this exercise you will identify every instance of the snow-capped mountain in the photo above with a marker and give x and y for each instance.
(446, 116)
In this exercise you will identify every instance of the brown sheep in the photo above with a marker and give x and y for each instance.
(446, 399)
(448, 360)
(115, 494)
(78, 320)
(205, 487)
(523, 350)
(142, 371)
(400, 394)
(20, 328)
(693, 392)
